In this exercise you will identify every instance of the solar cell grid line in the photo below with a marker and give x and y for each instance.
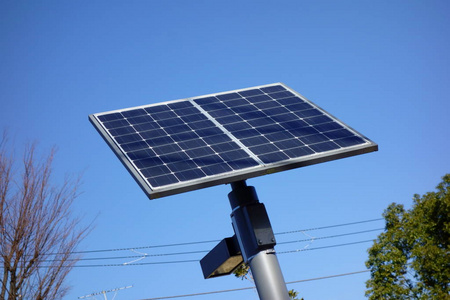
(182, 145)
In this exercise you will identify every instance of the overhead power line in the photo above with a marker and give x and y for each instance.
(216, 241)
(250, 288)
(145, 255)
(197, 260)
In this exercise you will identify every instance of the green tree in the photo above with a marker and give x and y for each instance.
(410, 259)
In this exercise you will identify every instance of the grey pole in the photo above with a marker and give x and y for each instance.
(256, 241)
(268, 278)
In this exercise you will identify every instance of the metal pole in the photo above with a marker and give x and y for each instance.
(268, 278)
(256, 241)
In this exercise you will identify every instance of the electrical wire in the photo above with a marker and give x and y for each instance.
(197, 260)
(216, 241)
(145, 255)
(251, 288)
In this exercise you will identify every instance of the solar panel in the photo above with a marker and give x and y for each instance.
(183, 145)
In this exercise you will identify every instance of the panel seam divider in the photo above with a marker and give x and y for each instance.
(228, 133)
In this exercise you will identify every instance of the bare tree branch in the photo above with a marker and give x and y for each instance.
(36, 226)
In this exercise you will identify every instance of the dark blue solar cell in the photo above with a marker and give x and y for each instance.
(150, 134)
(275, 111)
(298, 152)
(134, 146)
(128, 138)
(244, 109)
(216, 169)
(290, 100)
(121, 131)
(141, 154)
(308, 113)
(201, 124)
(213, 106)
(116, 124)
(298, 106)
(328, 126)
(269, 129)
(134, 113)
(300, 132)
(208, 160)
(279, 136)
(217, 139)
(164, 140)
(259, 98)
(193, 118)
(229, 119)
(181, 165)
(273, 157)
(249, 93)
(190, 174)
(253, 115)
(178, 129)
(162, 180)
(169, 158)
(208, 131)
(157, 109)
(146, 126)
(180, 105)
(253, 141)
(155, 171)
(284, 117)
(236, 102)
(187, 111)
(148, 162)
(247, 133)
(191, 144)
(184, 136)
(294, 124)
(272, 89)
(205, 100)
(288, 144)
(349, 141)
(170, 122)
(243, 163)
(140, 119)
(263, 149)
(160, 150)
(110, 117)
(221, 113)
(199, 152)
(237, 126)
(318, 120)
(261, 122)
(233, 155)
(267, 104)
(338, 134)
(163, 115)
(223, 147)
(313, 138)
(283, 94)
(228, 96)
(325, 146)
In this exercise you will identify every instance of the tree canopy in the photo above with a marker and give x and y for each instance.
(410, 259)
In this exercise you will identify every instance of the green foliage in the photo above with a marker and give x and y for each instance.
(242, 271)
(293, 295)
(411, 260)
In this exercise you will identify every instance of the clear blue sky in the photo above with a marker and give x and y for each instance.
(380, 66)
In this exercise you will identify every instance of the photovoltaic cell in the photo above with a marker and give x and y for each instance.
(187, 144)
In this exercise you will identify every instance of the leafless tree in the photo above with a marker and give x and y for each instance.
(38, 233)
